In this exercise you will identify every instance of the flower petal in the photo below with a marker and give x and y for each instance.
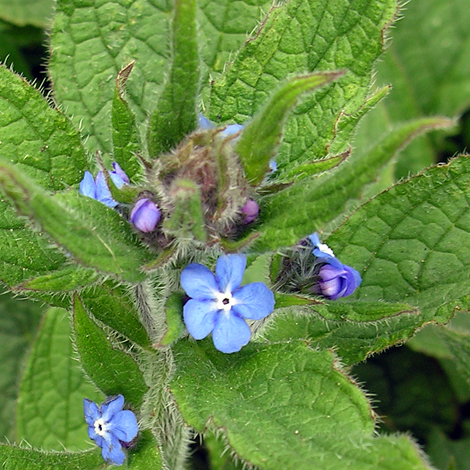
(87, 185)
(111, 406)
(253, 301)
(95, 437)
(199, 283)
(124, 426)
(200, 317)
(229, 272)
(91, 411)
(112, 452)
(230, 333)
(103, 194)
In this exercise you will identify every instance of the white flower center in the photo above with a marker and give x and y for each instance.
(325, 249)
(100, 427)
(225, 301)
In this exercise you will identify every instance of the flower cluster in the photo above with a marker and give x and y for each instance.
(144, 215)
(110, 427)
(219, 305)
(336, 279)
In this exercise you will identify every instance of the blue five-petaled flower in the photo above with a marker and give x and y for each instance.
(110, 426)
(219, 305)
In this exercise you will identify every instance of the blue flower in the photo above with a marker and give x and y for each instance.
(337, 281)
(145, 215)
(323, 251)
(110, 426)
(231, 129)
(219, 305)
(98, 189)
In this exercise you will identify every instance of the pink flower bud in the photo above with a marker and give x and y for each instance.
(250, 210)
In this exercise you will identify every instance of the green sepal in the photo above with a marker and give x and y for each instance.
(175, 115)
(289, 300)
(18, 458)
(126, 140)
(187, 219)
(112, 304)
(260, 137)
(95, 235)
(146, 454)
(174, 319)
(275, 404)
(322, 199)
(113, 371)
(50, 400)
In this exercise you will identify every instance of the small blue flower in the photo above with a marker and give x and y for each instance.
(219, 305)
(145, 215)
(338, 282)
(98, 189)
(110, 426)
(323, 251)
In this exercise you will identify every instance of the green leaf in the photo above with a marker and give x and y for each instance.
(44, 144)
(113, 371)
(19, 321)
(306, 36)
(50, 401)
(23, 12)
(146, 455)
(65, 279)
(223, 28)
(126, 141)
(260, 138)
(175, 115)
(428, 64)
(94, 234)
(411, 243)
(17, 458)
(284, 406)
(319, 201)
(355, 330)
(39, 139)
(113, 305)
(90, 43)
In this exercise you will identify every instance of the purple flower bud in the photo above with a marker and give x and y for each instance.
(145, 215)
(250, 210)
(338, 282)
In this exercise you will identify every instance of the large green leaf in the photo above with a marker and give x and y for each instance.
(19, 321)
(411, 243)
(284, 406)
(50, 402)
(113, 371)
(18, 458)
(306, 36)
(23, 12)
(91, 41)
